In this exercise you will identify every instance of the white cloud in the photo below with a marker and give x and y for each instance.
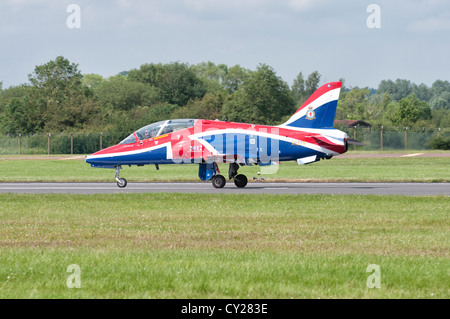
(430, 25)
(124, 3)
(433, 24)
(217, 5)
(136, 13)
(302, 5)
(290, 35)
(18, 5)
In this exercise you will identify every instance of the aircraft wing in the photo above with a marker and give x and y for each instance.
(228, 158)
(199, 152)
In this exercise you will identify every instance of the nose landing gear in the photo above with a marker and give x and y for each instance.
(121, 182)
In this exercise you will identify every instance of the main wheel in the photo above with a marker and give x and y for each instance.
(240, 180)
(218, 181)
(122, 182)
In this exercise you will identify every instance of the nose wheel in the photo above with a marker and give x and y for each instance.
(121, 182)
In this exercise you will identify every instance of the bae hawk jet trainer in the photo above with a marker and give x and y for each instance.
(307, 137)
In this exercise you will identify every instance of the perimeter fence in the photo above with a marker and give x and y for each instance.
(59, 143)
(398, 138)
(379, 138)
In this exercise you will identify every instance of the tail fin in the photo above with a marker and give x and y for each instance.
(319, 109)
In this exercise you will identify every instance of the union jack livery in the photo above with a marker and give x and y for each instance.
(307, 137)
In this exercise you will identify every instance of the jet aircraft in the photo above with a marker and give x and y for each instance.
(306, 137)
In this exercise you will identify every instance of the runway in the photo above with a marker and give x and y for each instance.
(412, 189)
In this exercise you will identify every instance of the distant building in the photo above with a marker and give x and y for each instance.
(353, 123)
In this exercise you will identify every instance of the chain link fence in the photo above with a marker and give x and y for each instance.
(395, 138)
(60, 143)
(379, 138)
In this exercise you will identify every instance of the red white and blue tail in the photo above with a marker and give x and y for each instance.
(319, 109)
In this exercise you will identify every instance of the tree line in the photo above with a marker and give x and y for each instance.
(59, 98)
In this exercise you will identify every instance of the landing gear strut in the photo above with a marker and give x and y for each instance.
(121, 182)
(240, 180)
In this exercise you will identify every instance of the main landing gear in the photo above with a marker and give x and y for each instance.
(240, 180)
(218, 181)
(210, 172)
(121, 182)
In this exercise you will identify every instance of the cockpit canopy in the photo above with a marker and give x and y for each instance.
(159, 128)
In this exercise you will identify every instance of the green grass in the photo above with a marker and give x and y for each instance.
(223, 246)
(401, 169)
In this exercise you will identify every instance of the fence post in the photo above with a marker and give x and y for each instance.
(381, 137)
(101, 140)
(406, 138)
(71, 143)
(48, 144)
(19, 142)
(354, 137)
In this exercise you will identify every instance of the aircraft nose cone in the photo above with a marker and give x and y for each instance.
(89, 159)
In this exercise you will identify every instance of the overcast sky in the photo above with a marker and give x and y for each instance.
(292, 36)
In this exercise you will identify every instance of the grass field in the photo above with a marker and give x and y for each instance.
(223, 246)
(396, 169)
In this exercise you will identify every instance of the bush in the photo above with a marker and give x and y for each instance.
(440, 143)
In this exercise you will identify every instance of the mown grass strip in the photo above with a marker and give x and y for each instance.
(223, 246)
(402, 169)
(37, 273)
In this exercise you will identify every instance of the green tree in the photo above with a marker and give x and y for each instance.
(440, 95)
(209, 107)
(298, 90)
(235, 77)
(92, 80)
(21, 111)
(399, 89)
(211, 75)
(353, 105)
(55, 77)
(422, 92)
(312, 84)
(177, 82)
(410, 110)
(440, 118)
(15, 117)
(441, 102)
(58, 89)
(264, 98)
(438, 87)
(119, 92)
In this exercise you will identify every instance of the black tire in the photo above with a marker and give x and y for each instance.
(218, 181)
(240, 180)
(122, 182)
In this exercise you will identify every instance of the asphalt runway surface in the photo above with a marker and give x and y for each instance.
(413, 189)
